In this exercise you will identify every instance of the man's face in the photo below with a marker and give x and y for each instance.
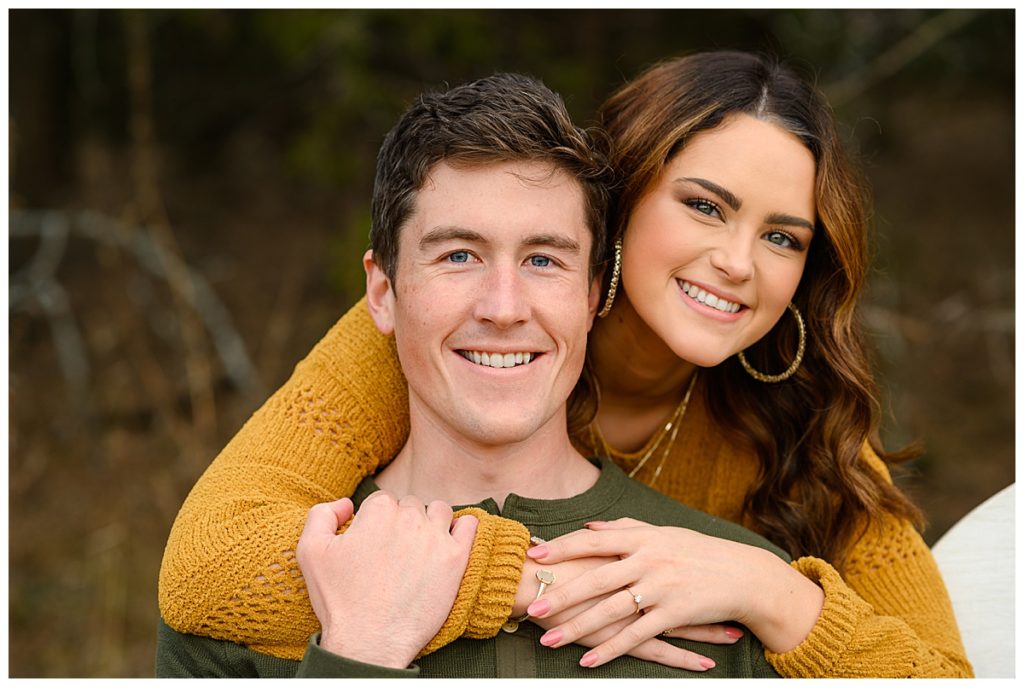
(493, 300)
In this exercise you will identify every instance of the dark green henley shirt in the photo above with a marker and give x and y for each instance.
(507, 655)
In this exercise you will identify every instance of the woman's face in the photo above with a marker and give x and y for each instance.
(714, 251)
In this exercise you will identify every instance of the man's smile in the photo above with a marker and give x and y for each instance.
(496, 359)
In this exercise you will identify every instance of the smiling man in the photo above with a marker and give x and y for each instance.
(488, 222)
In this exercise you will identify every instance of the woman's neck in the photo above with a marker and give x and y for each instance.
(641, 379)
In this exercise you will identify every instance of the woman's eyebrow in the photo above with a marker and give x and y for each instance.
(725, 194)
(789, 220)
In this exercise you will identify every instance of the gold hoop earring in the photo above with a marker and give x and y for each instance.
(613, 285)
(771, 379)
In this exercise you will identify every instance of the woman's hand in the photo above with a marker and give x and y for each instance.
(684, 580)
(650, 649)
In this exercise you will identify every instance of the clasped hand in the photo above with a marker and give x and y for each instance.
(688, 583)
(384, 588)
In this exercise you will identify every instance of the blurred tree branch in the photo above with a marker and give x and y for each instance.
(38, 283)
(899, 55)
(153, 213)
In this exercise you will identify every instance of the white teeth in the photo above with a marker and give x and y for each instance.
(497, 360)
(709, 299)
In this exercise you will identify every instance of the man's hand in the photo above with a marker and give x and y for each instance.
(383, 589)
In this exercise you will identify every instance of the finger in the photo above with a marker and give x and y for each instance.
(621, 523)
(380, 501)
(615, 608)
(582, 543)
(440, 513)
(464, 530)
(324, 519)
(640, 630)
(711, 634)
(600, 581)
(380, 493)
(657, 651)
(343, 510)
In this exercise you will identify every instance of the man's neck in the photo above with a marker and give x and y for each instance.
(436, 465)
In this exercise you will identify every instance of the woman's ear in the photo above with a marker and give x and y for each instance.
(380, 297)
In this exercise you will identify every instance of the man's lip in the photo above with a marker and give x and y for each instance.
(520, 357)
(501, 350)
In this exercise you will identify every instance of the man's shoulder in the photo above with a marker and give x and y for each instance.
(641, 502)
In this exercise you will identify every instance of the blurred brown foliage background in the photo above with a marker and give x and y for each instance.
(190, 199)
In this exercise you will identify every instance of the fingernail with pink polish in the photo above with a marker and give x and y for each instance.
(593, 522)
(538, 608)
(707, 663)
(733, 632)
(537, 552)
(551, 637)
(589, 659)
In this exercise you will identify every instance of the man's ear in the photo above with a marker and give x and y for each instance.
(594, 297)
(380, 297)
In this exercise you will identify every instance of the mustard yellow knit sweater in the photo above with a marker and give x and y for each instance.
(229, 569)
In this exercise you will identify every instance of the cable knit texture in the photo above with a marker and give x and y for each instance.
(229, 569)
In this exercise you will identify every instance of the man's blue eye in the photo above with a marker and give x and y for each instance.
(540, 260)
(459, 256)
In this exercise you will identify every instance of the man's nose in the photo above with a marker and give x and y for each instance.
(503, 299)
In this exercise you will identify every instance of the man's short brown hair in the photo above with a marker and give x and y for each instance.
(500, 118)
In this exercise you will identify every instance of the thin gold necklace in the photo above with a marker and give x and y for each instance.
(673, 424)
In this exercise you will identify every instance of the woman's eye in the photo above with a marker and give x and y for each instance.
(458, 256)
(782, 239)
(540, 260)
(703, 206)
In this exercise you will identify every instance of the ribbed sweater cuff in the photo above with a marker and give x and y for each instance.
(816, 655)
(489, 586)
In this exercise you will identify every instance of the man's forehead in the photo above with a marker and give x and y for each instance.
(534, 202)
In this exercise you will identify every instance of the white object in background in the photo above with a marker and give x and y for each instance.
(976, 558)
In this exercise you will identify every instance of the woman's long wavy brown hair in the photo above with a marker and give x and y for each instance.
(815, 493)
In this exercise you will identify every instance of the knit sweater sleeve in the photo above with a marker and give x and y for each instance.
(229, 569)
(889, 617)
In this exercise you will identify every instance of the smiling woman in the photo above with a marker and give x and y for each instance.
(708, 236)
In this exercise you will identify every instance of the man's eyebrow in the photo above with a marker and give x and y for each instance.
(450, 233)
(790, 220)
(556, 241)
(725, 194)
(456, 233)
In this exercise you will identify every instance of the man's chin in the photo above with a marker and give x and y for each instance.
(492, 432)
